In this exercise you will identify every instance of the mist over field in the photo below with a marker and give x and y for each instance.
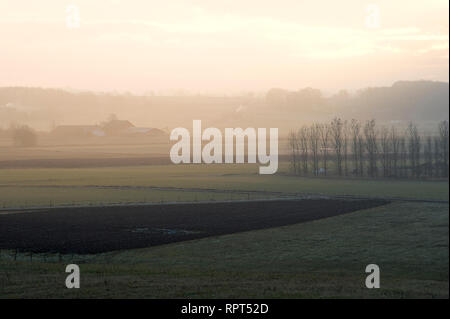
(420, 101)
(235, 149)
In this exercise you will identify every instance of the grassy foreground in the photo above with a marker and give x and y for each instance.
(41, 187)
(320, 259)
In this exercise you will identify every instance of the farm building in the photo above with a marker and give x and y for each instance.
(78, 131)
(117, 127)
(144, 131)
(126, 128)
(111, 128)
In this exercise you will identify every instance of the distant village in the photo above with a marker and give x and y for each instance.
(25, 136)
(113, 127)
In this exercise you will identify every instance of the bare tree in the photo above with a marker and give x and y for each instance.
(293, 145)
(370, 134)
(367, 147)
(403, 156)
(437, 157)
(355, 128)
(385, 151)
(414, 149)
(395, 147)
(324, 133)
(428, 155)
(303, 138)
(443, 138)
(357, 147)
(346, 137)
(336, 132)
(314, 145)
(361, 154)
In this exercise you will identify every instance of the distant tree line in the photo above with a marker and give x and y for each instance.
(409, 100)
(352, 148)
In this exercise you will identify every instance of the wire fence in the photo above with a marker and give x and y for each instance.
(17, 255)
(200, 197)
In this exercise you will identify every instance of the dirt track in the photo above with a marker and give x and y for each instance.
(83, 162)
(92, 162)
(101, 229)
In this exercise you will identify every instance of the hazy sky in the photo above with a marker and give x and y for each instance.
(221, 46)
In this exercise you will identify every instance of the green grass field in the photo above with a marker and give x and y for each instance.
(36, 187)
(320, 259)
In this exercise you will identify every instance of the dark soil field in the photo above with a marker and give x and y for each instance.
(100, 229)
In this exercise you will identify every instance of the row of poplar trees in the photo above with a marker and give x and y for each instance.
(352, 148)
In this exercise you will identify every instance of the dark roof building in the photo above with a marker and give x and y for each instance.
(78, 131)
(117, 127)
